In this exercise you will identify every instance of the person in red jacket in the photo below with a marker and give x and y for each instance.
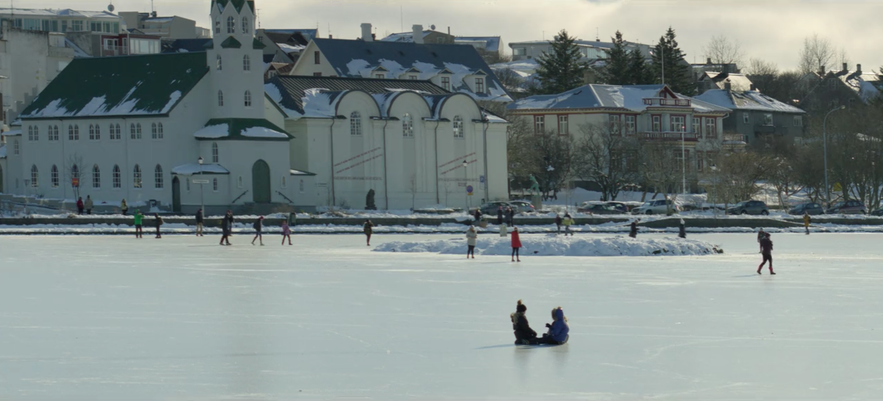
(80, 206)
(516, 244)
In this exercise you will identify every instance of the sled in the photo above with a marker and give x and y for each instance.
(546, 345)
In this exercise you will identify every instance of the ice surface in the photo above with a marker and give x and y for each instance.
(110, 318)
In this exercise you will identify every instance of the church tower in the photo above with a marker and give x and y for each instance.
(235, 59)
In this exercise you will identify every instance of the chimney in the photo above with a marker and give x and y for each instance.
(858, 69)
(753, 87)
(418, 34)
(709, 61)
(728, 86)
(822, 70)
(366, 33)
(330, 36)
(449, 30)
(845, 67)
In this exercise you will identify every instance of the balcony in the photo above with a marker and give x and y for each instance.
(665, 136)
(108, 51)
(665, 102)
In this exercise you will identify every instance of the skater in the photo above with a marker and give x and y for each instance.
(80, 206)
(368, 228)
(158, 221)
(124, 207)
(510, 213)
(766, 248)
(199, 221)
(558, 329)
(500, 216)
(633, 229)
(471, 239)
(682, 230)
(558, 222)
(760, 236)
(88, 204)
(516, 245)
(567, 222)
(226, 228)
(139, 220)
(258, 226)
(286, 232)
(524, 335)
(806, 221)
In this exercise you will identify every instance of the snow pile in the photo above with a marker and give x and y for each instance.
(561, 246)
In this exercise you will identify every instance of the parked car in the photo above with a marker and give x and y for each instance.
(656, 207)
(604, 208)
(812, 208)
(878, 212)
(522, 206)
(491, 208)
(750, 207)
(848, 207)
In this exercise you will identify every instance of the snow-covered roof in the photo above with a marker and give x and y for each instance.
(489, 43)
(303, 173)
(14, 132)
(622, 97)
(198, 169)
(747, 100)
(403, 36)
(47, 12)
(290, 48)
(738, 82)
(866, 84)
(241, 129)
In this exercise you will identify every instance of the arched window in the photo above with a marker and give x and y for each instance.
(215, 155)
(76, 132)
(138, 131)
(157, 177)
(407, 126)
(356, 124)
(53, 176)
(458, 128)
(75, 172)
(215, 184)
(30, 132)
(117, 177)
(97, 132)
(119, 132)
(153, 130)
(35, 176)
(70, 132)
(53, 133)
(15, 148)
(136, 177)
(231, 25)
(96, 177)
(36, 133)
(245, 25)
(91, 132)
(220, 63)
(218, 26)
(246, 63)
(159, 134)
(247, 98)
(220, 99)
(132, 131)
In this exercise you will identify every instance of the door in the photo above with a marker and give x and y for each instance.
(260, 179)
(176, 195)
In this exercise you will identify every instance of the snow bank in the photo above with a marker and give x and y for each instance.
(561, 246)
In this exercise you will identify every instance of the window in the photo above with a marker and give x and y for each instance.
(159, 132)
(97, 132)
(412, 77)
(710, 128)
(317, 58)
(356, 124)
(53, 176)
(73, 134)
(317, 74)
(157, 177)
(407, 126)
(768, 119)
(53, 133)
(697, 124)
(35, 177)
(245, 25)
(539, 125)
(247, 98)
(745, 118)
(132, 131)
(630, 124)
(136, 177)
(231, 25)
(117, 177)
(215, 156)
(119, 132)
(613, 120)
(218, 26)
(380, 76)
(219, 63)
(153, 130)
(798, 121)
(563, 129)
(215, 184)
(138, 131)
(479, 85)
(96, 177)
(91, 132)
(458, 128)
(34, 133)
(446, 83)
(246, 63)
(15, 149)
(220, 99)
(301, 186)
(656, 123)
(678, 124)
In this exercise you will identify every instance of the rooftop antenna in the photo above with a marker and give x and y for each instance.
(402, 18)
(110, 7)
(597, 34)
(151, 7)
(258, 17)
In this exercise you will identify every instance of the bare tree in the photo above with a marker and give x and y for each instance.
(73, 169)
(758, 67)
(817, 52)
(659, 168)
(723, 50)
(532, 154)
(602, 157)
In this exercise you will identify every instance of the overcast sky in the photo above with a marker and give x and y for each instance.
(772, 30)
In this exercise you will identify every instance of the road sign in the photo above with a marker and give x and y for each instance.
(837, 187)
(469, 189)
(481, 179)
(200, 181)
(75, 182)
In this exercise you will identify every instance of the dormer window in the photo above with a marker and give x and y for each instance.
(479, 85)
(446, 83)
(380, 75)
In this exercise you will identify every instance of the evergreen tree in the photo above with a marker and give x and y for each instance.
(667, 54)
(639, 72)
(563, 69)
(616, 69)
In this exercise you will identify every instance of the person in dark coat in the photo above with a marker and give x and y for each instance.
(524, 335)
(199, 222)
(682, 230)
(633, 229)
(258, 228)
(511, 214)
(477, 216)
(368, 229)
(158, 221)
(500, 216)
(226, 228)
(766, 248)
(80, 206)
(760, 236)
(558, 329)
(558, 222)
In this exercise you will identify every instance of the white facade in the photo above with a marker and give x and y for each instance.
(63, 20)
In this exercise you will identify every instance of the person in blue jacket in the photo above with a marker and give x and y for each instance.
(558, 329)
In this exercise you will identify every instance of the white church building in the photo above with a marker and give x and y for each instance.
(137, 128)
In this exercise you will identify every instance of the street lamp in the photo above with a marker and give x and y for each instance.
(201, 189)
(825, 151)
(713, 183)
(684, 159)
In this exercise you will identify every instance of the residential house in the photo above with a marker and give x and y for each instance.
(283, 46)
(458, 68)
(591, 51)
(167, 27)
(63, 21)
(720, 80)
(851, 88)
(423, 36)
(755, 116)
(490, 44)
(93, 44)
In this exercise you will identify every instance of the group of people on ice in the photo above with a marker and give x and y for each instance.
(557, 334)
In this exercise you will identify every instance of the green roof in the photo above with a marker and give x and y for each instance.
(146, 85)
(256, 44)
(231, 42)
(241, 129)
(238, 4)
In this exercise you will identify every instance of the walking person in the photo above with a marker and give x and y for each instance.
(633, 229)
(516, 245)
(158, 221)
(766, 248)
(471, 240)
(258, 227)
(806, 221)
(88, 204)
(558, 222)
(80, 206)
(286, 232)
(500, 216)
(368, 229)
(199, 222)
(567, 222)
(139, 221)
(682, 230)
(226, 228)
(124, 207)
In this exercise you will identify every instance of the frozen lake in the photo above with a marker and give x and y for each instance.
(110, 318)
